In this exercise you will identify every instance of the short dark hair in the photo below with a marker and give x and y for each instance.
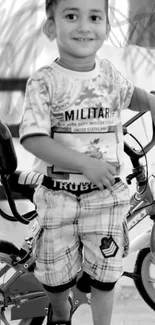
(52, 3)
(49, 3)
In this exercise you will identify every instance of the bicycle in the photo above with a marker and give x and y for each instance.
(21, 291)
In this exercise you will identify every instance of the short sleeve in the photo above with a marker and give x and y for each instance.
(125, 86)
(36, 115)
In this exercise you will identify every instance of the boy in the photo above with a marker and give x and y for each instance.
(72, 125)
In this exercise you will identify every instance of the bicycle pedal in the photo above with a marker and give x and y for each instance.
(131, 275)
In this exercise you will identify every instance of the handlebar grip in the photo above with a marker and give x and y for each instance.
(8, 158)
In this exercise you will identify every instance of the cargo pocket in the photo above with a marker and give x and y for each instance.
(125, 238)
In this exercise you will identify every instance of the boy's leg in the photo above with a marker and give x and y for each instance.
(101, 306)
(103, 237)
(60, 305)
(57, 249)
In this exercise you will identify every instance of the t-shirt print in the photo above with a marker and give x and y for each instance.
(80, 110)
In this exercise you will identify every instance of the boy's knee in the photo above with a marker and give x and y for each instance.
(59, 297)
(100, 293)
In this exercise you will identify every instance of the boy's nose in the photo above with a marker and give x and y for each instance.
(84, 26)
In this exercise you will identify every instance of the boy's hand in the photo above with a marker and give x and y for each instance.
(99, 172)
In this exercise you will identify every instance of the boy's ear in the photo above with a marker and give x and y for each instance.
(49, 29)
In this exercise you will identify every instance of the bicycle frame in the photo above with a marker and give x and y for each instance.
(143, 205)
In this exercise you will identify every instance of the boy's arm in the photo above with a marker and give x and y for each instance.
(97, 171)
(143, 101)
(51, 151)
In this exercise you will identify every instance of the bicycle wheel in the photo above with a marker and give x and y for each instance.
(5, 313)
(145, 284)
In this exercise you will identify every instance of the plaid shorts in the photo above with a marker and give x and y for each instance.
(88, 231)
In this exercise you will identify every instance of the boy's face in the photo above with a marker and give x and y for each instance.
(80, 27)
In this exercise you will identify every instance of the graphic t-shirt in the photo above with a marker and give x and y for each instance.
(81, 110)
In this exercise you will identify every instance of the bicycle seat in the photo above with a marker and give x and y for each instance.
(24, 182)
(8, 158)
(21, 182)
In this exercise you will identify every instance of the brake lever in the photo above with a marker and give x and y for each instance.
(129, 178)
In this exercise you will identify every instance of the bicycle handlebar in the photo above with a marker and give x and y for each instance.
(132, 153)
(25, 218)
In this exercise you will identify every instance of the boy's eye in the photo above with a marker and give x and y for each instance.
(95, 18)
(71, 17)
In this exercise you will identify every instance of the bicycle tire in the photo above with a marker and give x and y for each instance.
(143, 282)
(5, 252)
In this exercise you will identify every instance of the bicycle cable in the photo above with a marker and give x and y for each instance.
(146, 180)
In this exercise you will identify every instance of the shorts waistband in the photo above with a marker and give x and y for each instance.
(76, 189)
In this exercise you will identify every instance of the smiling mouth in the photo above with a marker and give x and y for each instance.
(81, 39)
